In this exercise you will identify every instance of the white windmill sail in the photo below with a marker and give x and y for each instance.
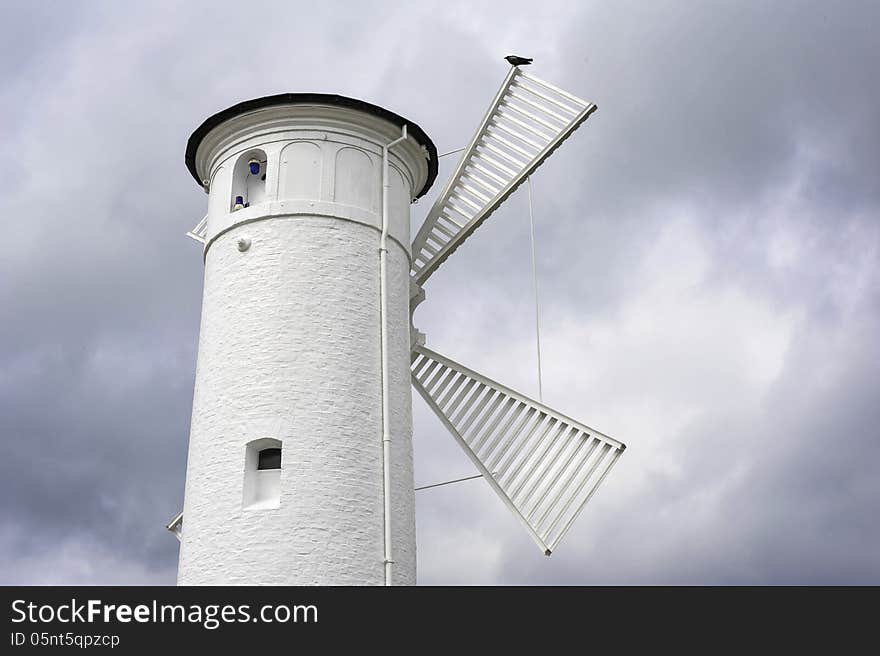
(544, 465)
(527, 121)
(200, 230)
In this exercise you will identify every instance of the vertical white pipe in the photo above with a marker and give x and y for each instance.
(383, 330)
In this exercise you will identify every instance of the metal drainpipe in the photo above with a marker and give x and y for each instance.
(383, 329)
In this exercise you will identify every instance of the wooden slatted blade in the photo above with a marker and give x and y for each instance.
(199, 231)
(544, 466)
(527, 121)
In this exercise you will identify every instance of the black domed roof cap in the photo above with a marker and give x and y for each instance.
(195, 140)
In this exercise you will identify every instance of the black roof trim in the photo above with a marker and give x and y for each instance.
(210, 123)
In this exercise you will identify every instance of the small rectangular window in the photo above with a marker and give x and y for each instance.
(269, 459)
(261, 487)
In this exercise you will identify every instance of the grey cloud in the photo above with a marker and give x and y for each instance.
(730, 172)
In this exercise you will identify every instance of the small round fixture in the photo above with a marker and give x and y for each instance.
(254, 165)
(244, 243)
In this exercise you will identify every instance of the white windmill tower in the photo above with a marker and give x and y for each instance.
(300, 457)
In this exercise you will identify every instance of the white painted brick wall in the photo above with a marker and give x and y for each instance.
(290, 332)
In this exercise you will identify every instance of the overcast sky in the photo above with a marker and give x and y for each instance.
(707, 243)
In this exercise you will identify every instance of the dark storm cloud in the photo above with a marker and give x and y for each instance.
(708, 248)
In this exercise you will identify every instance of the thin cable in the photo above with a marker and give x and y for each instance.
(535, 285)
(451, 152)
(457, 480)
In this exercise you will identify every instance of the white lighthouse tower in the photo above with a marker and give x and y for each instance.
(300, 454)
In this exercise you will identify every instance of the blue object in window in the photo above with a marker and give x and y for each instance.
(255, 167)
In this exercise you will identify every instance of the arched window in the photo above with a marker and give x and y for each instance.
(262, 474)
(249, 180)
